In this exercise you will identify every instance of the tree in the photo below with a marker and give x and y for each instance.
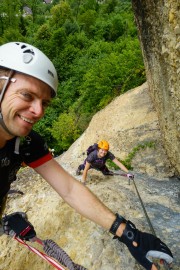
(11, 34)
(65, 130)
(60, 13)
(10, 13)
(87, 19)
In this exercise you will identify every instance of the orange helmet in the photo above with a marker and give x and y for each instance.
(103, 145)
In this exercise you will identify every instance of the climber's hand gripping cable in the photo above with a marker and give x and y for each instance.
(142, 245)
(130, 176)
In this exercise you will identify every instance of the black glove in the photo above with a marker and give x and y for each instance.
(147, 245)
(16, 224)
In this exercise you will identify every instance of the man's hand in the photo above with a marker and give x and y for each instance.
(130, 176)
(17, 224)
(144, 245)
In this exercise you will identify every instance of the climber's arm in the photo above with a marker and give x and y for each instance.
(75, 194)
(120, 165)
(87, 204)
(85, 172)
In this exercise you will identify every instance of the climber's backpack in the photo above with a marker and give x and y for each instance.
(91, 148)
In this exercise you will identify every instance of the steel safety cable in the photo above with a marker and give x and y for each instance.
(145, 212)
(166, 265)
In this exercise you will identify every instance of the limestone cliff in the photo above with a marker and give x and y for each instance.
(128, 121)
(159, 31)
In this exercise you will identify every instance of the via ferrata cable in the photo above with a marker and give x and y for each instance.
(166, 265)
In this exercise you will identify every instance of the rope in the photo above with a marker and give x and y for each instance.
(42, 255)
(52, 250)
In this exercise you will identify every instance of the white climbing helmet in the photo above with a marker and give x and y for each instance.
(27, 59)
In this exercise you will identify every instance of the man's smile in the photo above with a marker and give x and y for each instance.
(26, 119)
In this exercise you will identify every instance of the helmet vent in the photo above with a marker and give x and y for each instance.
(27, 58)
(23, 46)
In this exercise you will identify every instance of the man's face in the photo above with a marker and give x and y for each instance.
(24, 103)
(102, 152)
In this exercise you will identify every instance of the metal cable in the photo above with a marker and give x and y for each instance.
(145, 212)
(166, 265)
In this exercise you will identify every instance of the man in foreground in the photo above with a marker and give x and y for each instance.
(28, 81)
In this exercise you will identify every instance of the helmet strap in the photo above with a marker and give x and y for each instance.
(4, 126)
(8, 80)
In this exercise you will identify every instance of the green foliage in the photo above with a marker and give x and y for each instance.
(109, 6)
(60, 13)
(71, 27)
(86, 20)
(44, 126)
(65, 130)
(128, 160)
(11, 34)
(96, 52)
(43, 33)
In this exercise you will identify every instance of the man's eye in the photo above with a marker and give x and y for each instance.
(26, 95)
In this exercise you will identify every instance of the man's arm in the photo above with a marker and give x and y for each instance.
(120, 165)
(85, 172)
(75, 194)
(88, 205)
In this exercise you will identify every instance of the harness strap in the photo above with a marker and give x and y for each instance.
(17, 144)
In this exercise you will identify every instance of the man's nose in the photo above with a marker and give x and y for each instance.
(37, 108)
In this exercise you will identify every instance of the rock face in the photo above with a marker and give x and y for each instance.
(159, 32)
(130, 120)
(85, 242)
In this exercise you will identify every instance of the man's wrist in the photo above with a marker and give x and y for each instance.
(83, 182)
(116, 224)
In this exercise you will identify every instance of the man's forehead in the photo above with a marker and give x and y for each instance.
(30, 83)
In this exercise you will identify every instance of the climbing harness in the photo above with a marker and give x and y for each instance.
(165, 264)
